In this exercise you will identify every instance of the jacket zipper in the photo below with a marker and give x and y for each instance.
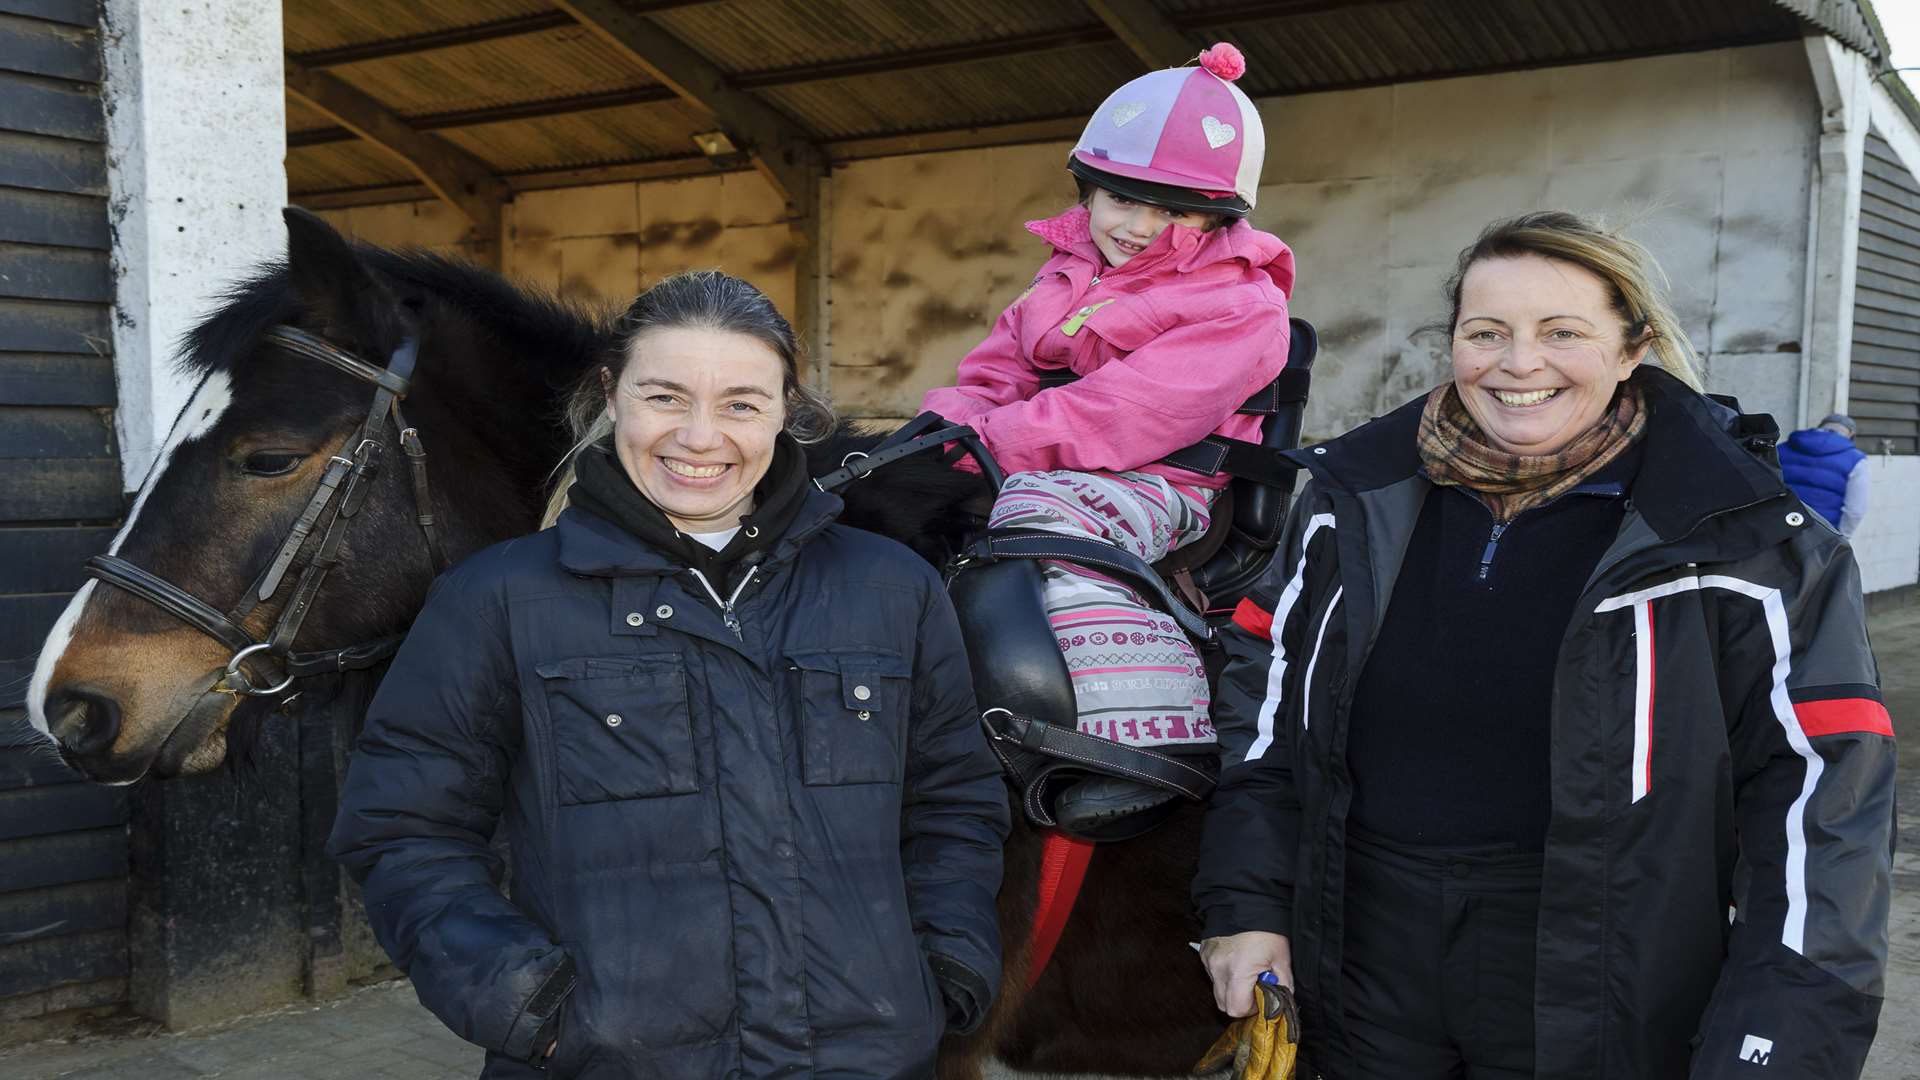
(1493, 541)
(727, 614)
(1500, 528)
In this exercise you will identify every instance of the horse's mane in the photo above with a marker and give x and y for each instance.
(531, 321)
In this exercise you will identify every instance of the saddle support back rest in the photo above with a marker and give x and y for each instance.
(1259, 512)
(1020, 678)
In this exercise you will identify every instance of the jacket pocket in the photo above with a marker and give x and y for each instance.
(853, 716)
(1124, 326)
(621, 728)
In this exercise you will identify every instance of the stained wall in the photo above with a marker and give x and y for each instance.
(1704, 156)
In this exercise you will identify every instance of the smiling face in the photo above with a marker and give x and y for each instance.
(695, 415)
(1122, 227)
(1538, 350)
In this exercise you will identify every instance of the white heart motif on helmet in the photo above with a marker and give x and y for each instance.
(1128, 113)
(1219, 134)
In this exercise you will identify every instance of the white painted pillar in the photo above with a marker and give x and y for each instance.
(196, 169)
(1844, 79)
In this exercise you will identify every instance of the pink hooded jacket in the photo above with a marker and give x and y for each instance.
(1168, 346)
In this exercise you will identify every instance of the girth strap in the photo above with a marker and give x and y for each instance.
(1098, 554)
(1218, 454)
(1097, 754)
(1063, 868)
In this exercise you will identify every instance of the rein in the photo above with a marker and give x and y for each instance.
(336, 501)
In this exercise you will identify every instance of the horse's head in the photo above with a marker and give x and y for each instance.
(268, 477)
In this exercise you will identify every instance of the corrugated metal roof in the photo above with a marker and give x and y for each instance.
(886, 81)
(986, 92)
(1386, 42)
(1842, 18)
(756, 35)
(328, 24)
(589, 138)
(344, 165)
(531, 67)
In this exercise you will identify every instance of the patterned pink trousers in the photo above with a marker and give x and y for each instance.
(1136, 677)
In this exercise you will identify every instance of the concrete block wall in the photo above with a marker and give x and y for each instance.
(1887, 544)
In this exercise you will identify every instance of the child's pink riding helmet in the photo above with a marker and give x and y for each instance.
(1184, 138)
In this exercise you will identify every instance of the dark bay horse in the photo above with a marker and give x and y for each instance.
(127, 687)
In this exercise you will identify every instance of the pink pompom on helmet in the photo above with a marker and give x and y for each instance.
(1225, 61)
(1184, 138)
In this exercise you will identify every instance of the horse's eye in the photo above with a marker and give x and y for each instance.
(272, 463)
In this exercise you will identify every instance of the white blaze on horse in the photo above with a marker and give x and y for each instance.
(201, 413)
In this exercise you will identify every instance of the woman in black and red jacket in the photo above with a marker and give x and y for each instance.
(1553, 676)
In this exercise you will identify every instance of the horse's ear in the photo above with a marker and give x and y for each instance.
(340, 294)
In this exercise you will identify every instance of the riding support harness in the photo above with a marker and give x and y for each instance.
(341, 493)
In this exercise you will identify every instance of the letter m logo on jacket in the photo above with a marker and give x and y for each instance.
(1756, 1050)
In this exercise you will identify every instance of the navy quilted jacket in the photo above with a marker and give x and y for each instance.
(743, 841)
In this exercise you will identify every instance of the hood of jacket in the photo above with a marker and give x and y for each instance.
(1179, 249)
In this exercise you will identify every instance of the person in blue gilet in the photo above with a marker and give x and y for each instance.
(1828, 472)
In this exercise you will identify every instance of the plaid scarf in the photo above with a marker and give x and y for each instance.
(1455, 453)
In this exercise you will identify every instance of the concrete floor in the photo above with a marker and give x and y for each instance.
(382, 1033)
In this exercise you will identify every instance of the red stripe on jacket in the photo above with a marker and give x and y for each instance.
(1254, 619)
(1843, 716)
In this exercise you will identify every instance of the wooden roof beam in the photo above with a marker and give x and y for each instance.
(451, 37)
(918, 60)
(448, 171)
(1152, 36)
(780, 149)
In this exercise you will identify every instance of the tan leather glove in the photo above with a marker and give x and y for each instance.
(1262, 1046)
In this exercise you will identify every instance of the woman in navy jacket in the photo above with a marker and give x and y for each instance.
(755, 829)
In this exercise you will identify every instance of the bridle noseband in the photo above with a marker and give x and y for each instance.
(341, 494)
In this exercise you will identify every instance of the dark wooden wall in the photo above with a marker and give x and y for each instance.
(63, 843)
(1884, 391)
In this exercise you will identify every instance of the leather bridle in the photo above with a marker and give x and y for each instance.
(341, 494)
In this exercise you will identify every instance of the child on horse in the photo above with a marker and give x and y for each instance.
(1171, 311)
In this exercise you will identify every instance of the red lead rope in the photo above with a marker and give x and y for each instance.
(1063, 866)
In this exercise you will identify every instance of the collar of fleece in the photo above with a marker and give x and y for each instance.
(602, 488)
(1184, 249)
